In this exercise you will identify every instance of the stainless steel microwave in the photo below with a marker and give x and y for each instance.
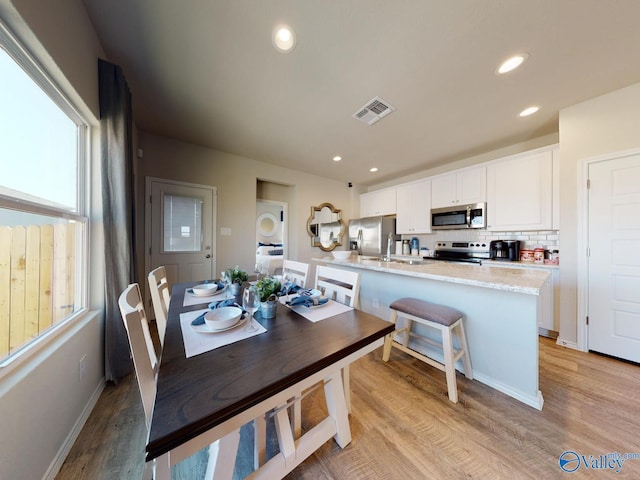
(459, 217)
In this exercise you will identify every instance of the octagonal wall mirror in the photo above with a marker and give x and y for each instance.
(325, 227)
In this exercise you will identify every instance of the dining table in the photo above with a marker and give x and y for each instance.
(204, 398)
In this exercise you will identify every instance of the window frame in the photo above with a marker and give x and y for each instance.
(22, 202)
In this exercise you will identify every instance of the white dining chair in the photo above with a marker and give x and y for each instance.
(146, 365)
(297, 271)
(160, 298)
(143, 352)
(342, 286)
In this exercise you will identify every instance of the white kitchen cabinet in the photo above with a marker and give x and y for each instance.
(459, 187)
(413, 213)
(519, 193)
(378, 202)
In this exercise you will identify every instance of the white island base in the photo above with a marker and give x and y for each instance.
(501, 323)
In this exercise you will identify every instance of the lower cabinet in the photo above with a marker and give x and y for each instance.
(549, 319)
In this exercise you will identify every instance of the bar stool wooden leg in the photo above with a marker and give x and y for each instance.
(388, 340)
(449, 365)
(466, 360)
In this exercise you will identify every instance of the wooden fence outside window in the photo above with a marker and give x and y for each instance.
(37, 281)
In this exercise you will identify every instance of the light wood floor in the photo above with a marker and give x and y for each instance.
(404, 426)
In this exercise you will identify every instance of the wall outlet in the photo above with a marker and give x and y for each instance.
(82, 370)
(225, 231)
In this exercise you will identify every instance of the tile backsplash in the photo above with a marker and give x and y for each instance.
(549, 239)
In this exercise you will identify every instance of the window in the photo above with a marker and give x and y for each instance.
(43, 229)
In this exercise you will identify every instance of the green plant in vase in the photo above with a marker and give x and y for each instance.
(237, 274)
(266, 287)
(236, 277)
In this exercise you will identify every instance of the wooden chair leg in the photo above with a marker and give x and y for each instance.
(260, 441)
(222, 456)
(346, 382)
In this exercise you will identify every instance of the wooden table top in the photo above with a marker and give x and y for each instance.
(195, 394)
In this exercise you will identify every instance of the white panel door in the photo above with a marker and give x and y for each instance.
(180, 221)
(614, 260)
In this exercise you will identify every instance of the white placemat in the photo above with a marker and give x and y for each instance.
(196, 343)
(191, 299)
(315, 314)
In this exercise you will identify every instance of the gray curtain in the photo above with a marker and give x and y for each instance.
(118, 211)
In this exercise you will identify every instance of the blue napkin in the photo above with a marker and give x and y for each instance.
(307, 301)
(199, 320)
(223, 303)
(287, 290)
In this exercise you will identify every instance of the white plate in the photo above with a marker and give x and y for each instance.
(222, 317)
(310, 292)
(218, 291)
(204, 328)
(204, 289)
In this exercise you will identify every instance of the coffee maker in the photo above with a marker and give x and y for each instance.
(508, 250)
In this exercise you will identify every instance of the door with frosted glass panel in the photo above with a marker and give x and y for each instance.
(180, 230)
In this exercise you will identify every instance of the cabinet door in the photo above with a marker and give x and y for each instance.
(413, 201)
(380, 202)
(519, 193)
(471, 185)
(545, 312)
(459, 188)
(443, 190)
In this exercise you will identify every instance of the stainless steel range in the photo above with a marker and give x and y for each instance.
(465, 252)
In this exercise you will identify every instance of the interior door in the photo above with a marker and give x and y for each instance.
(614, 260)
(180, 222)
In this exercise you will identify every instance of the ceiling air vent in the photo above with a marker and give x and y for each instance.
(374, 110)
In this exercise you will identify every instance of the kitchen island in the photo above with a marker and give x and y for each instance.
(501, 307)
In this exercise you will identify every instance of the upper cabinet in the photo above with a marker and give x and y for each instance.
(414, 207)
(378, 202)
(459, 188)
(519, 192)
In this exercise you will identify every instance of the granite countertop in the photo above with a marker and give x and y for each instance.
(521, 280)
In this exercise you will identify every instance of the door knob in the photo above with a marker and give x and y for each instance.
(207, 255)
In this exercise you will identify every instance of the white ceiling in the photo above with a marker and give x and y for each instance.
(205, 72)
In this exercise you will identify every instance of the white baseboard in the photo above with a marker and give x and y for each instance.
(565, 343)
(65, 448)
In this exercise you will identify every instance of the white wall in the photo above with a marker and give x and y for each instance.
(236, 180)
(43, 402)
(603, 125)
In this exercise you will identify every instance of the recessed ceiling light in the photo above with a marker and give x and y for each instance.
(337, 158)
(512, 63)
(373, 169)
(284, 39)
(529, 111)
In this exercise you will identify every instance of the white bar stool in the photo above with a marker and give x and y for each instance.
(440, 317)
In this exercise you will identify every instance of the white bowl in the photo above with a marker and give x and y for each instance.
(223, 317)
(205, 289)
(341, 254)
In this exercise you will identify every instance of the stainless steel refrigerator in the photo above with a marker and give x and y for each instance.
(370, 235)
